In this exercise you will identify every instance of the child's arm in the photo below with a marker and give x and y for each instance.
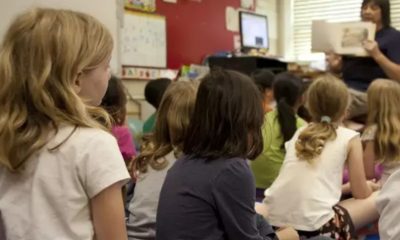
(358, 181)
(369, 160)
(108, 214)
(346, 188)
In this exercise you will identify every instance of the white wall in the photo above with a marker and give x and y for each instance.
(270, 8)
(107, 11)
(285, 26)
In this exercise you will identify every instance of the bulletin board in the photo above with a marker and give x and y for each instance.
(196, 29)
(143, 40)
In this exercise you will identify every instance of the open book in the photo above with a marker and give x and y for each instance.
(343, 38)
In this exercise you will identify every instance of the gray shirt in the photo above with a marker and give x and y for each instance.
(142, 208)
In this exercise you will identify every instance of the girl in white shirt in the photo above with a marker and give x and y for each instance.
(61, 171)
(382, 135)
(308, 189)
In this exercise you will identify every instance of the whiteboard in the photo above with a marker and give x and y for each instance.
(106, 12)
(143, 40)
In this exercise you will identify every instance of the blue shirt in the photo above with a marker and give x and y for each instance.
(209, 200)
(359, 72)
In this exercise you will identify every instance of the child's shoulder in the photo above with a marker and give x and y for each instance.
(82, 136)
(347, 133)
(369, 133)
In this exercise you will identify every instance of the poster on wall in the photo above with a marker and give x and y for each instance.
(131, 72)
(231, 19)
(142, 5)
(247, 4)
(143, 40)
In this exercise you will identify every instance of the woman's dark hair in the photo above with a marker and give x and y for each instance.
(154, 91)
(227, 118)
(384, 5)
(114, 101)
(263, 78)
(288, 89)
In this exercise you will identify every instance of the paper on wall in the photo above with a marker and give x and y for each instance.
(247, 4)
(231, 19)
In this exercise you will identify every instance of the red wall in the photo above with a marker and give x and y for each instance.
(195, 29)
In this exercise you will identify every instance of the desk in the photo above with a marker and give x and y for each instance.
(248, 64)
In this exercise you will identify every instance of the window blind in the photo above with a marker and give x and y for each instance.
(305, 11)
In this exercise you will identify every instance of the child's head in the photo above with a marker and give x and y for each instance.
(288, 92)
(383, 110)
(327, 103)
(327, 96)
(49, 61)
(383, 101)
(172, 122)
(264, 78)
(114, 101)
(154, 91)
(227, 118)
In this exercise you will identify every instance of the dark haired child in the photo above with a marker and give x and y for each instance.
(279, 127)
(264, 78)
(153, 92)
(209, 193)
(114, 102)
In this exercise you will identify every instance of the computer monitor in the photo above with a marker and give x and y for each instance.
(253, 31)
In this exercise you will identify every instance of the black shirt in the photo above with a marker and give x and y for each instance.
(209, 200)
(359, 72)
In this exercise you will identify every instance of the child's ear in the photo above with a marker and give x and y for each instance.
(77, 84)
(269, 95)
(302, 99)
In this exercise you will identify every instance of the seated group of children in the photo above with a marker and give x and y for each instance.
(301, 164)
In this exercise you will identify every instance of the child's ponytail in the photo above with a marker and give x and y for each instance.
(287, 119)
(288, 90)
(312, 140)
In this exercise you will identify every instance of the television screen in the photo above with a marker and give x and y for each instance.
(253, 30)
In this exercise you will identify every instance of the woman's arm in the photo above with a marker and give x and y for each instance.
(391, 69)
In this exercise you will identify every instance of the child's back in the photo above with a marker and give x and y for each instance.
(303, 194)
(50, 196)
(60, 173)
(388, 203)
(382, 135)
(158, 155)
(309, 186)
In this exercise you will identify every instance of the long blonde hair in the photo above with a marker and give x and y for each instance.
(327, 102)
(384, 111)
(42, 53)
(173, 117)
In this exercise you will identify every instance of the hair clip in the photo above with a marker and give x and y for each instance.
(325, 119)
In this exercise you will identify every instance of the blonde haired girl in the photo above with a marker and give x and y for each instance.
(382, 136)
(60, 173)
(308, 189)
(158, 155)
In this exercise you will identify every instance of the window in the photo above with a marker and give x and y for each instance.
(304, 11)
